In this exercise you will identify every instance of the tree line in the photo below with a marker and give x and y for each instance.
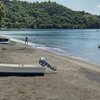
(44, 15)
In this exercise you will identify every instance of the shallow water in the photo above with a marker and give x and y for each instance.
(79, 43)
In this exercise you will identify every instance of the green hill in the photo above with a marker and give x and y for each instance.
(21, 14)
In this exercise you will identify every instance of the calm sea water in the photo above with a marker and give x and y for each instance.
(77, 43)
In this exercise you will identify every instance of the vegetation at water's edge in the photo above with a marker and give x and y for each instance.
(21, 14)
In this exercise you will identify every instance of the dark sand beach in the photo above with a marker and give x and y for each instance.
(74, 80)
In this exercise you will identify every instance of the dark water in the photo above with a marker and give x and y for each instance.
(78, 43)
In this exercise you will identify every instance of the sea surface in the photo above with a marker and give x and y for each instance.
(82, 44)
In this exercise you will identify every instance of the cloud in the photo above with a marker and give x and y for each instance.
(98, 6)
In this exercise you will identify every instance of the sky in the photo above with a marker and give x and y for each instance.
(90, 6)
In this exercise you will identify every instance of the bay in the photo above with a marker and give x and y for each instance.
(72, 42)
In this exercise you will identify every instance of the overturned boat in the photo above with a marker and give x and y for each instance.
(4, 39)
(21, 70)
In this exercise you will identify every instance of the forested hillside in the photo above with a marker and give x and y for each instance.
(1, 13)
(21, 14)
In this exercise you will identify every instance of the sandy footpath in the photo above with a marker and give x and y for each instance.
(75, 79)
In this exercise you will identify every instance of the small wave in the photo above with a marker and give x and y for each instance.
(58, 49)
(34, 45)
(80, 58)
(54, 50)
(40, 46)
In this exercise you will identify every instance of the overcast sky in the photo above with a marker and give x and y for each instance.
(91, 6)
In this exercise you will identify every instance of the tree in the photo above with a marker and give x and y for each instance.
(1, 13)
(5, 1)
(22, 14)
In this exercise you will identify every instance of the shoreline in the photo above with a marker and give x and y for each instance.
(76, 60)
(74, 80)
(34, 46)
(87, 58)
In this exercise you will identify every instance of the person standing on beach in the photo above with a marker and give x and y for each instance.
(26, 40)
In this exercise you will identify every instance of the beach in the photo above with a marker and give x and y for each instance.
(74, 80)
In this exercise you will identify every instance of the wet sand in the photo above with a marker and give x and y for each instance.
(74, 80)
